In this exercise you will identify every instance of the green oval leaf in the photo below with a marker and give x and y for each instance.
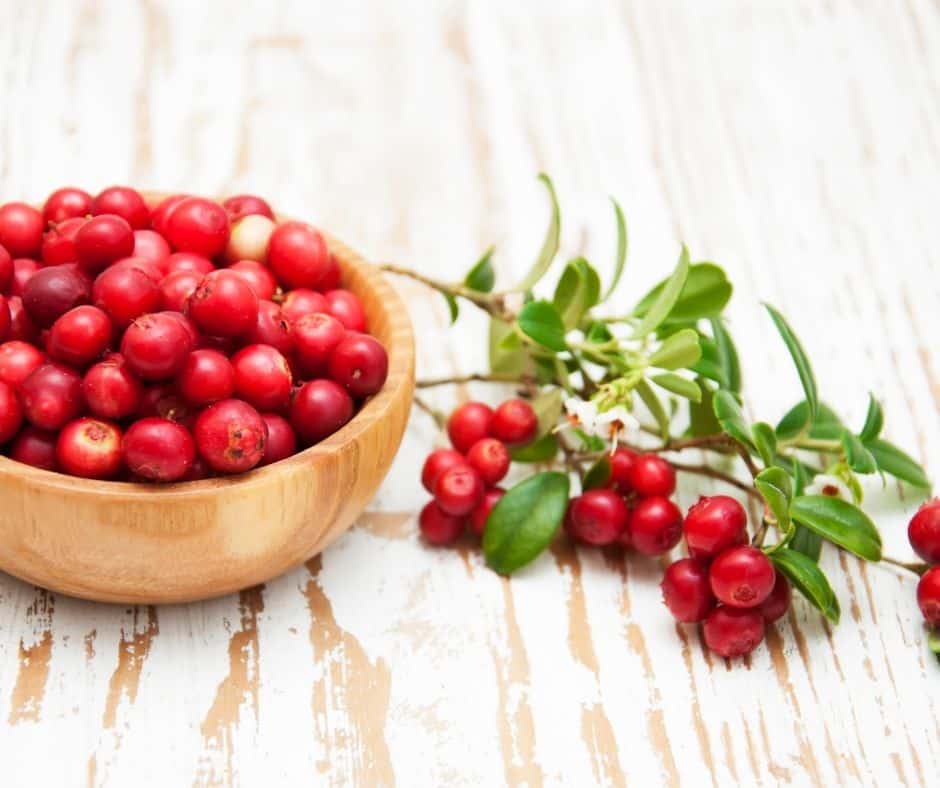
(539, 320)
(731, 417)
(766, 442)
(663, 303)
(727, 355)
(679, 350)
(547, 405)
(827, 425)
(540, 450)
(524, 521)
(550, 244)
(892, 460)
(809, 580)
(705, 293)
(776, 487)
(678, 385)
(482, 277)
(507, 356)
(452, 306)
(576, 291)
(839, 522)
(804, 370)
(598, 475)
(857, 456)
(622, 246)
(874, 420)
(655, 407)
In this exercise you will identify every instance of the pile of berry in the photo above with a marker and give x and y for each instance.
(172, 342)
(924, 535)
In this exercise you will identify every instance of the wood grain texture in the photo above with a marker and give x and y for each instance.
(797, 143)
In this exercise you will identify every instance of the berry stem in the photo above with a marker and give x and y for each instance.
(915, 567)
(493, 303)
(476, 377)
(439, 418)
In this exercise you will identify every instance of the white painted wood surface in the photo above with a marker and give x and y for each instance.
(794, 142)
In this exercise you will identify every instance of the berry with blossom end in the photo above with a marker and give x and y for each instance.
(262, 377)
(686, 591)
(102, 241)
(315, 337)
(58, 244)
(224, 305)
(64, 204)
(469, 423)
(924, 532)
(742, 576)
(655, 526)
(928, 596)
(650, 475)
(458, 490)
(90, 448)
(775, 606)
(360, 364)
(733, 632)
(155, 346)
(515, 422)
(714, 524)
(481, 512)
(597, 517)
(438, 527)
(436, 463)
(230, 436)
(51, 396)
(11, 413)
(491, 459)
(158, 450)
(271, 328)
(110, 389)
(621, 461)
(318, 409)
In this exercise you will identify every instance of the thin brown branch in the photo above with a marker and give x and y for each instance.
(713, 473)
(476, 377)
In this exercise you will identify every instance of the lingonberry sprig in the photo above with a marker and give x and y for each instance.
(607, 400)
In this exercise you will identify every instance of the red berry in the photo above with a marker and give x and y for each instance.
(742, 576)
(125, 294)
(257, 277)
(51, 292)
(272, 329)
(621, 461)
(686, 591)
(230, 436)
(515, 422)
(197, 225)
(176, 288)
(58, 244)
(156, 346)
(22, 327)
(652, 475)
(79, 336)
(302, 302)
(187, 261)
(151, 246)
(714, 524)
(347, 308)
(438, 527)
(359, 363)
(158, 450)
(458, 490)
(315, 337)
(190, 328)
(11, 414)
(110, 389)
(297, 254)
(491, 459)
(436, 463)
(655, 526)
(141, 265)
(928, 596)
(21, 228)
(223, 305)
(331, 279)
(207, 376)
(481, 512)
(103, 240)
(51, 396)
(262, 377)
(318, 409)
(247, 205)
(124, 202)
(35, 447)
(282, 442)
(732, 632)
(89, 448)
(775, 606)
(597, 517)
(24, 268)
(924, 532)
(6, 270)
(67, 203)
(163, 210)
(6, 319)
(469, 423)
(17, 360)
(165, 402)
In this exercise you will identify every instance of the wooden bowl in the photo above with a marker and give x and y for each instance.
(135, 543)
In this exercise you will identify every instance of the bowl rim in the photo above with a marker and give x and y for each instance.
(400, 368)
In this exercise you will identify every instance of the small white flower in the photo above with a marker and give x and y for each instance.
(581, 413)
(610, 425)
(833, 486)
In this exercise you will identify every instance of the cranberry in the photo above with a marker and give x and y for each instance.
(346, 308)
(158, 450)
(272, 328)
(80, 336)
(103, 240)
(655, 526)
(35, 447)
(155, 346)
(230, 436)
(5, 319)
(24, 268)
(775, 606)
(17, 360)
(318, 409)
(714, 524)
(11, 414)
(126, 294)
(732, 632)
(597, 517)
(197, 225)
(686, 591)
(21, 324)
(223, 305)
(481, 511)
(6, 270)
(176, 288)
(282, 442)
(241, 205)
(124, 202)
(436, 463)
(458, 490)
(331, 279)
(302, 302)
(652, 475)
(437, 527)
(491, 459)
(257, 277)
(359, 363)
(110, 389)
(152, 246)
(315, 337)
(621, 461)
(742, 576)
(67, 203)
(198, 470)
(51, 396)
(249, 239)
(141, 264)
(928, 596)
(162, 211)
(195, 338)
(262, 377)
(207, 376)
(924, 532)
(469, 423)
(186, 261)
(297, 254)
(21, 228)
(165, 402)
(89, 448)
(51, 292)
(58, 244)
(514, 422)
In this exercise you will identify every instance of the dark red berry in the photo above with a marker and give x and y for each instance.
(125, 202)
(331, 279)
(246, 205)
(928, 596)
(6, 319)
(90, 448)
(230, 436)
(742, 576)
(197, 225)
(152, 246)
(302, 302)
(158, 450)
(257, 277)
(714, 524)
(686, 591)
(207, 376)
(597, 517)
(469, 423)
(315, 337)
(35, 447)
(621, 461)
(491, 459)
(775, 606)
(924, 532)
(165, 402)
(176, 288)
(262, 377)
(481, 512)
(102, 241)
(297, 254)
(51, 292)
(66, 203)
(272, 329)
(58, 244)
(51, 396)
(347, 308)
(187, 261)
(733, 632)
(110, 389)
(282, 442)
(21, 228)
(22, 327)
(360, 364)
(437, 527)
(515, 422)
(655, 525)
(458, 490)
(223, 305)
(11, 414)
(652, 475)
(24, 268)
(318, 409)
(80, 336)
(436, 463)
(17, 360)
(156, 346)
(6, 270)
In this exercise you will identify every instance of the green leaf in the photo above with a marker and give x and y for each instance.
(727, 355)
(678, 385)
(892, 460)
(524, 521)
(550, 244)
(655, 407)
(776, 487)
(482, 277)
(576, 292)
(731, 417)
(840, 522)
(507, 355)
(541, 450)
(702, 419)
(800, 479)
(874, 420)
(806, 542)
(705, 293)
(677, 351)
(452, 306)
(933, 641)
(622, 246)
(598, 475)
(804, 370)
(857, 456)
(547, 405)
(807, 578)
(539, 320)
(827, 425)
(663, 303)
(766, 442)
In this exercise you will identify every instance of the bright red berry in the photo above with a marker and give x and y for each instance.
(318, 409)
(176, 288)
(298, 255)
(230, 436)
(714, 524)
(302, 302)
(924, 532)
(347, 308)
(652, 475)
(621, 461)
(197, 225)
(51, 292)
(241, 205)
(223, 305)
(655, 525)
(458, 490)
(35, 447)
(110, 389)
(151, 246)
(742, 576)
(140, 264)
(272, 329)
(775, 606)
(158, 450)
(90, 448)
(66, 203)
(481, 512)
(597, 517)
(24, 268)
(17, 360)
(156, 346)
(21, 228)
(515, 422)
(187, 261)
(6, 319)
(438, 527)
(207, 376)
(436, 463)
(733, 632)
(928, 596)
(51, 396)
(102, 241)
(360, 364)
(11, 414)
(126, 294)
(6, 270)
(491, 459)
(257, 277)
(80, 336)
(58, 243)
(281, 443)
(315, 337)
(686, 591)
(163, 210)
(262, 377)
(469, 423)
(125, 202)
(22, 327)
(331, 279)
